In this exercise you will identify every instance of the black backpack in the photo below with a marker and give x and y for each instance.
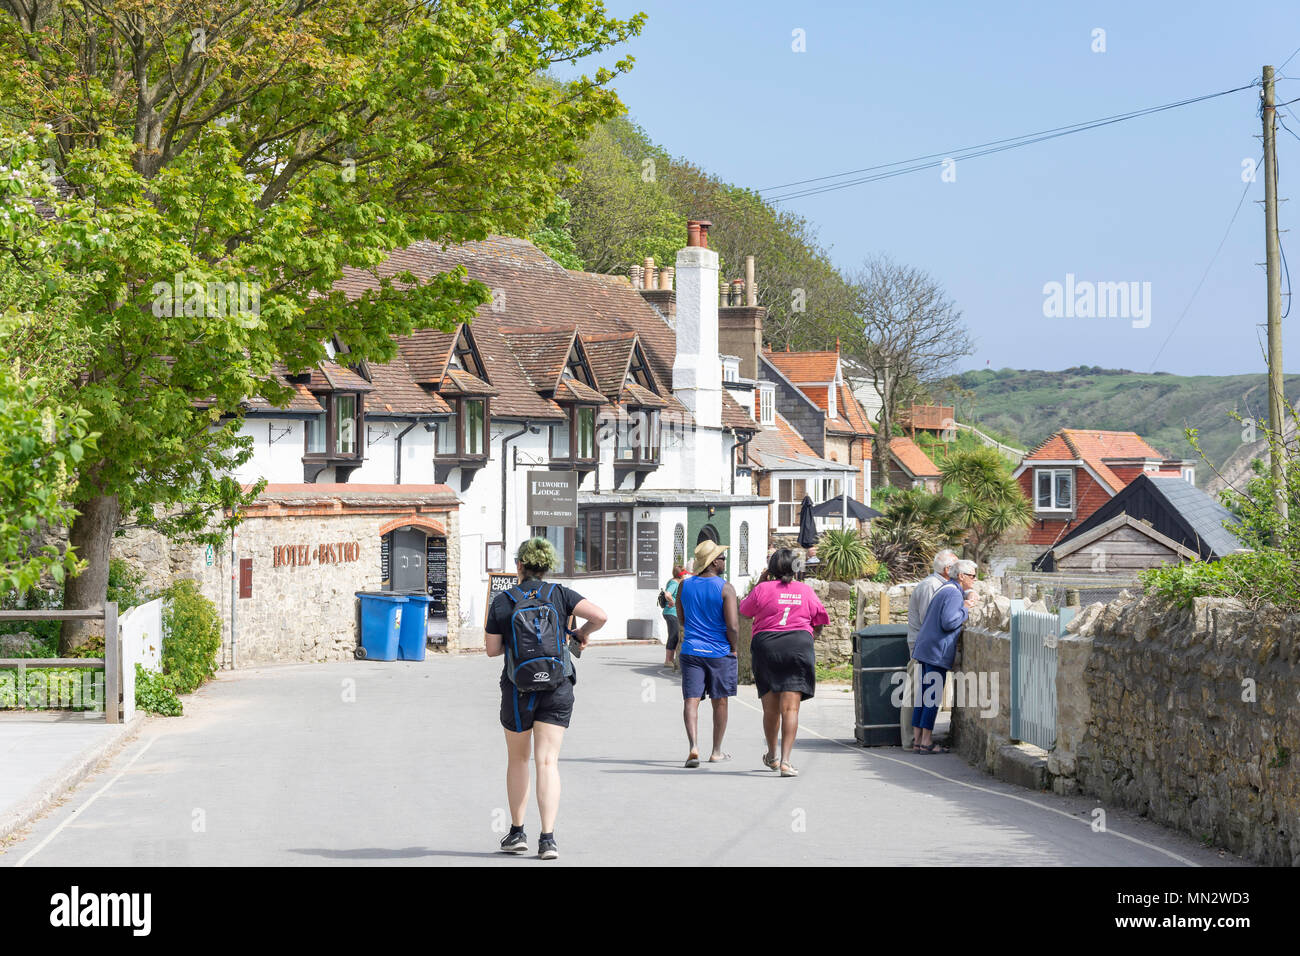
(537, 654)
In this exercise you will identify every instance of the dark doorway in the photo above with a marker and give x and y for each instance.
(708, 533)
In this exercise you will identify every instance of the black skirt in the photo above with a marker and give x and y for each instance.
(784, 661)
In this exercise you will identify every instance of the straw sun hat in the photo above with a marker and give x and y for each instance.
(706, 552)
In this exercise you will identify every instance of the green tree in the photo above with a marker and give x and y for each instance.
(990, 501)
(253, 151)
(42, 436)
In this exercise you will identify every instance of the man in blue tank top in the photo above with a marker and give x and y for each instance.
(710, 618)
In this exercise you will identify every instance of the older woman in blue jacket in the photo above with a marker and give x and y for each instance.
(936, 646)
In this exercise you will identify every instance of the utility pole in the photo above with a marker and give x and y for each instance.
(1275, 400)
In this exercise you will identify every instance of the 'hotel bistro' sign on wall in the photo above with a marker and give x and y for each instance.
(305, 555)
(553, 499)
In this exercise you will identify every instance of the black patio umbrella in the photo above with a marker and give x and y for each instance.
(835, 507)
(808, 535)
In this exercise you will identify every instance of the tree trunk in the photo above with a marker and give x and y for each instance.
(91, 534)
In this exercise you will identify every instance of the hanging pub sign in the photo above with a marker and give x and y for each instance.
(553, 499)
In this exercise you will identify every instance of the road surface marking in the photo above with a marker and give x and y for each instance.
(85, 806)
(998, 793)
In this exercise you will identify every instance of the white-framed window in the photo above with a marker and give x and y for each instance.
(1189, 474)
(830, 401)
(789, 496)
(1054, 489)
(766, 404)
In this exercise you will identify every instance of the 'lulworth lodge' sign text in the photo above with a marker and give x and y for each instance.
(305, 555)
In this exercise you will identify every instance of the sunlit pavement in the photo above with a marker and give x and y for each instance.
(404, 763)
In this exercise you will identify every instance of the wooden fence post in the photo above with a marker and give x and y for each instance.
(884, 607)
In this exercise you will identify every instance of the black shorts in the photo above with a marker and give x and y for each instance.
(520, 710)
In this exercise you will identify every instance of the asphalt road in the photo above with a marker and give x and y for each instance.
(404, 763)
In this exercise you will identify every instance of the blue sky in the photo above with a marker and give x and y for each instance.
(1143, 201)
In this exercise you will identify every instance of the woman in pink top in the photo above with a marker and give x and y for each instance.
(787, 616)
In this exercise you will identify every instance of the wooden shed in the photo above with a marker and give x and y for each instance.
(1155, 520)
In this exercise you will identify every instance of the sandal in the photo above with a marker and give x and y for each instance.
(788, 771)
(692, 761)
(771, 763)
(934, 749)
(720, 759)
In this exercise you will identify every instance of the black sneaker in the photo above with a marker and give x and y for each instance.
(515, 842)
(546, 850)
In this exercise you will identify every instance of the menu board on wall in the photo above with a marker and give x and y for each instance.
(497, 584)
(435, 569)
(647, 556)
(386, 561)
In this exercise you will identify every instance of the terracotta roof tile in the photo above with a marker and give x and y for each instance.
(805, 367)
(854, 413)
(542, 353)
(1094, 447)
(395, 391)
(457, 381)
(908, 454)
(735, 416)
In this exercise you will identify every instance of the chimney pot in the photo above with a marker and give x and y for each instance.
(692, 232)
(666, 279)
(704, 232)
(751, 290)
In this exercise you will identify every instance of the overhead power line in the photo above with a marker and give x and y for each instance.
(799, 189)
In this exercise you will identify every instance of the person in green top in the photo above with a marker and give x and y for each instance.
(668, 598)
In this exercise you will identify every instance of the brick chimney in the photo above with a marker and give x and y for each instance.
(740, 327)
(697, 371)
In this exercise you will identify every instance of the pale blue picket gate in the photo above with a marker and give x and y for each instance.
(1034, 637)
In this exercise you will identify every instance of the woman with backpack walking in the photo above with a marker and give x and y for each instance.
(529, 625)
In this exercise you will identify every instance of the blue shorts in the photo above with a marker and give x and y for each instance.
(714, 677)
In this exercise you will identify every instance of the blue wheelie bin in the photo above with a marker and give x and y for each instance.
(381, 620)
(415, 627)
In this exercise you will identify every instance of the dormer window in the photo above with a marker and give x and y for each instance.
(830, 401)
(1054, 489)
(766, 403)
(575, 439)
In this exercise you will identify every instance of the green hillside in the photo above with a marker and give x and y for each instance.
(1030, 405)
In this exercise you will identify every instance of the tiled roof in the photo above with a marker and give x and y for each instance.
(853, 412)
(542, 353)
(530, 291)
(609, 356)
(735, 416)
(395, 391)
(634, 394)
(1094, 447)
(330, 376)
(805, 367)
(426, 353)
(457, 381)
(1204, 515)
(302, 399)
(782, 449)
(572, 390)
(908, 454)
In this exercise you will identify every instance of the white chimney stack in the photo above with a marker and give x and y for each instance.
(697, 370)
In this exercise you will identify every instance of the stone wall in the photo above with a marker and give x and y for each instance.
(302, 609)
(977, 735)
(1194, 721)
(1188, 717)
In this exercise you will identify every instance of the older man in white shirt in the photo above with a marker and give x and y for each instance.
(917, 605)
